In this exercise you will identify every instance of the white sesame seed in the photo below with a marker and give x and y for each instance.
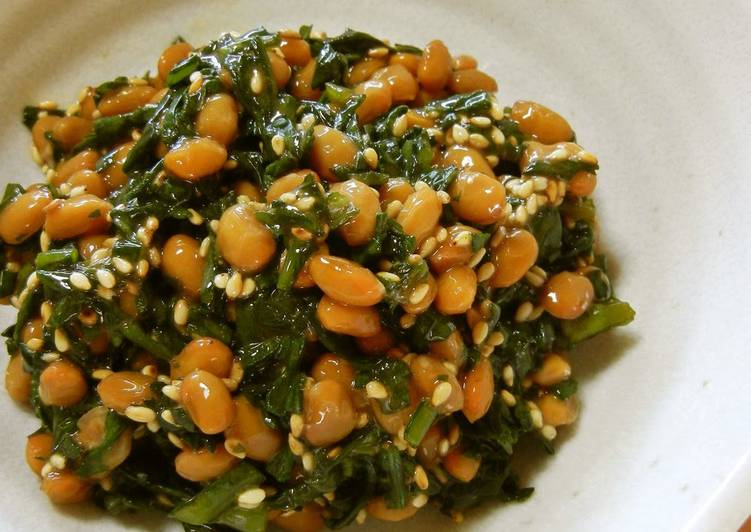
(486, 350)
(296, 425)
(32, 281)
(220, 280)
(277, 144)
(536, 313)
(171, 391)
(508, 375)
(419, 500)
(462, 238)
(376, 390)
(100, 255)
(288, 197)
(548, 432)
(122, 265)
(305, 203)
(435, 132)
(235, 448)
(101, 373)
(57, 461)
(371, 157)
(153, 426)
(419, 293)
(195, 218)
(45, 311)
(381, 51)
(164, 379)
(234, 286)
(444, 197)
(497, 136)
(478, 141)
(46, 469)
(362, 420)
(407, 321)
(394, 208)
(62, 343)
(77, 191)
(485, 272)
(587, 157)
(308, 462)
(400, 126)
(307, 121)
(450, 366)
(534, 279)
(536, 417)
(493, 160)
(421, 478)
(443, 447)
(496, 338)
(388, 276)
(168, 417)
(35, 344)
(333, 453)
(480, 121)
(251, 498)
(521, 215)
(508, 398)
(44, 241)
(540, 183)
(140, 414)
(362, 515)
(256, 82)
(150, 370)
(295, 445)
(454, 435)
(495, 111)
(480, 332)
(414, 259)
(428, 246)
(523, 311)
(460, 134)
(47, 105)
(180, 312)
(441, 393)
(175, 440)
(476, 257)
(36, 157)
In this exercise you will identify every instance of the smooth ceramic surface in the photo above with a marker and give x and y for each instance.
(658, 90)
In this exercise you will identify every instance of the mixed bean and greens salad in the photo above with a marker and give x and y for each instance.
(298, 280)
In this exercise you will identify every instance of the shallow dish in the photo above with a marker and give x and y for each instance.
(661, 443)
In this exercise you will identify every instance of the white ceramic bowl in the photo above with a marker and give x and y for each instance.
(658, 90)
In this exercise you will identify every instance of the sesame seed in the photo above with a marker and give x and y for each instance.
(289, 33)
(256, 82)
(376, 390)
(480, 121)
(414, 259)
(548, 432)
(444, 197)
(220, 280)
(587, 157)
(443, 447)
(400, 126)
(251, 498)
(249, 286)
(168, 417)
(561, 188)
(122, 265)
(497, 136)
(45, 310)
(150, 370)
(308, 121)
(441, 393)
(532, 205)
(457, 517)
(195, 218)
(493, 160)
(394, 208)
(296, 425)
(47, 105)
(441, 235)
(142, 268)
(419, 293)
(44, 241)
(420, 500)
(32, 281)
(175, 440)
(62, 343)
(536, 313)
(523, 312)
(101, 373)
(295, 445)
(77, 191)
(476, 257)
(371, 157)
(143, 236)
(435, 132)
(478, 141)
(57, 461)
(164, 379)
(450, 366)
(308, 461)
(171, 391)
(428, 246)
(153, 426)
(521, 215)
(140, 414)
(508, 375)
(536, 417)
(463, 238)
(100, 255)
(540, 183)
(381, 51)
(559, 154)
(407, 321)
(180, 312)
(105, 293)
(508, 398)
(277, 144)
(485, 272)
(388, 276)
(480, 332)
(496, 338)
(421, 478)
(486, 350)
(460, 134)
(534, 279)
(235, 448)
(362, 515)
(362, 420)
(46, 469)
(234, 285)
(454, 435)
(333, 453)
(495, 111)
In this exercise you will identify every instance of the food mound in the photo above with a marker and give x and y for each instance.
(298, 280)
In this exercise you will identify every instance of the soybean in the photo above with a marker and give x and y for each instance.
(244, 242)
(182, 262)
(348, 319)
(207, 400)
(456, 290)
(25, 215)
(122, 389)
(208, 354)
(328, 413)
